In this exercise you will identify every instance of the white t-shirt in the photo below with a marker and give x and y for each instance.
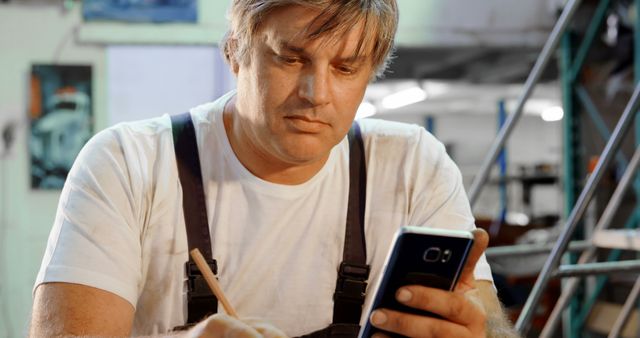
(120, 225)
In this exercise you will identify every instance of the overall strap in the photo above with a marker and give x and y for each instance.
(200, 300)
(354, 271)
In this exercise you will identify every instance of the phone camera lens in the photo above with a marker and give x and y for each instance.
(432, 254)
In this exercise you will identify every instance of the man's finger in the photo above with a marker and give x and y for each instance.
(221, 325)
(453, 306)
(480, 243)
(380, 335)
(410, 325)
(266, 329)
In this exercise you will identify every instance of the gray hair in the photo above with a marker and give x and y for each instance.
(337, 17)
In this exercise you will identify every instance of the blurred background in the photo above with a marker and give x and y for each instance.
(528, 96)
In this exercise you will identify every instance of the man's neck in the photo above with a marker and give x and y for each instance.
(260, 163)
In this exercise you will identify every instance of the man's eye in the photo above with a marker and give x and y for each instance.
(347, 70)
(290, 60)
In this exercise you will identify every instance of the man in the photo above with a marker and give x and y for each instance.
(275, 167)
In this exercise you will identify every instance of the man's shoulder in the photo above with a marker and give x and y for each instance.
(132, 141)
(150, 138)
(152, 128)
(134, 130)
(393, 133)
(127, 142)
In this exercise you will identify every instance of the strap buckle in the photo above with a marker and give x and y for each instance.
(201, 302)
(352, 282)
(196, 285)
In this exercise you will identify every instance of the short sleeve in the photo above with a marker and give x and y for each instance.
(439, 199)
(96, 235)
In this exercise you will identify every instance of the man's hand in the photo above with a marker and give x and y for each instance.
(221, 325)
(462, 311)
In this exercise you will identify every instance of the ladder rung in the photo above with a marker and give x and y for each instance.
(626, 239)
(529, 249)
(573, 270)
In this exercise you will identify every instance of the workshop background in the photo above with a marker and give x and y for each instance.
(553, 81)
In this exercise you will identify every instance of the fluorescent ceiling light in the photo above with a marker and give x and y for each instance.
(552, 114)
(517, 218)
(365, 109)
(436, 88)
(404, 98)
(534, 106)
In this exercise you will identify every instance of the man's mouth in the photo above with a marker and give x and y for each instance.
(306, 124)
(307, 119)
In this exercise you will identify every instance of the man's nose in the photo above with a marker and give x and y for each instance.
(314, 86)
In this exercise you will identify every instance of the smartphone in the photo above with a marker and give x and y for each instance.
(422, 256)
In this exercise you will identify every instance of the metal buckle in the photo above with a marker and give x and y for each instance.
(352, 282)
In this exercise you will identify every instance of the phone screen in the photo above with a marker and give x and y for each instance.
(419, 256)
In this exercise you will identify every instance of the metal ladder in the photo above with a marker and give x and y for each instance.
(585, 266)
(603, 238)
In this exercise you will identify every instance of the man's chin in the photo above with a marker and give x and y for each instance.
(305, 158)
(305, 153)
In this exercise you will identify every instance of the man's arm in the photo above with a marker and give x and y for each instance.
(61, 309)
(65, 309)
(497, 323)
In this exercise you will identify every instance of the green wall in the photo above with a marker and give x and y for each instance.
(29, 34)
(49, 34)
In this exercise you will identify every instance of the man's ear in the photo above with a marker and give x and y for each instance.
(235, 67)
(231, 48)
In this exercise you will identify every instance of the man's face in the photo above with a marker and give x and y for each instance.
(297, 97)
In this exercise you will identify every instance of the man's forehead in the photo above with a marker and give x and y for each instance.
(292, 27)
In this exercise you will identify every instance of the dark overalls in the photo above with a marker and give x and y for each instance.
(353, 272)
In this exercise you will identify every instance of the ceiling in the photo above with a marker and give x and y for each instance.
(468, 80)
(481, 65)
(447, 97)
